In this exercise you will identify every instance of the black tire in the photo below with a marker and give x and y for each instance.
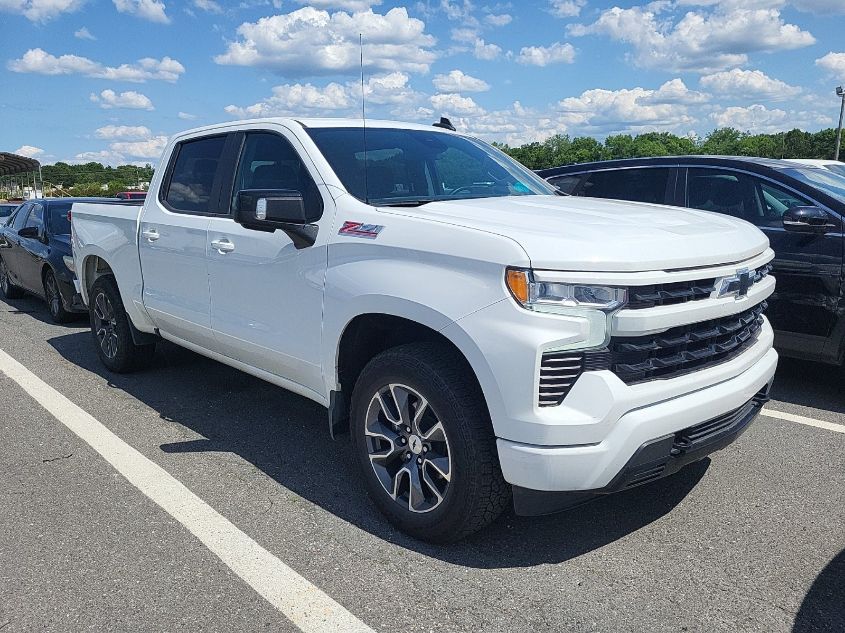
(9, 290)
(53, 296)
(106, 311)
(476, 493)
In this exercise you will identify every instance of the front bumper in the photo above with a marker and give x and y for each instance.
(653, 460)
(595, 466)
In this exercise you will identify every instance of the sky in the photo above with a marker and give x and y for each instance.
(109, 80)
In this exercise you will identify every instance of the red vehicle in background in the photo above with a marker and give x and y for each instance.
(131, 195)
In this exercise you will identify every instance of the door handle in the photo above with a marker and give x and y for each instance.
(223, 246)
(151, 234)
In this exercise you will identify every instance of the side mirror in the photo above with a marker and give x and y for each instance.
(30, 232)
(807, 220)
(276, 209)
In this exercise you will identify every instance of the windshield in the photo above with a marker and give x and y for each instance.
(59, 223)
(822, 179)
(839, 170)
(418, 166)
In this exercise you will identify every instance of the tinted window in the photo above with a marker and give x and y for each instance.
(58, 222)
(269, 161)
(20, 216)
(639, 185)
(566, 183)
(722, 191)
(6, 210)
(193, 175)
(35, 218)
(420, 165)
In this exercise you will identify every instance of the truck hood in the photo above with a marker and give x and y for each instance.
(598, 235)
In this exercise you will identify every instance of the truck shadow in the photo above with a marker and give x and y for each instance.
(271, 428)
(823, 608)
(809, 384)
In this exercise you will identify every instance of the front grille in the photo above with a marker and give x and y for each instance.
(558, 372)
(685, 348)
(640, 297)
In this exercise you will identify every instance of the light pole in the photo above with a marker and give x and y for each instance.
(841, 94)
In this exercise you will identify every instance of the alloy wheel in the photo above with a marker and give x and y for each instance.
(105, 325)
(408, 448)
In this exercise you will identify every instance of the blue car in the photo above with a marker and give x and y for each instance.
(35, 252)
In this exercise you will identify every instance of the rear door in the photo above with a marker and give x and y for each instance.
(172, 241)
(266, 294)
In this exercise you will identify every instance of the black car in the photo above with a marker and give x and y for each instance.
(800, 208)
(34, 251)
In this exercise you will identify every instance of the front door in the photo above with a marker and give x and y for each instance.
(807, 266)
(32, 252)
(267, 295)
(172, 242)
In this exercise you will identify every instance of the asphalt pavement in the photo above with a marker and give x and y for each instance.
(752, 539)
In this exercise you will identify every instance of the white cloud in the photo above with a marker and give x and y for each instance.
(129, 100)
(127, 132)
(699, 41)
(83, 34)
(451, 104)
(502, 19)
(347, 5)
(566, 8)
(749, 84)
(105, 156)
(311, 42)
(557, 53)
(40, 10)
(29, 151)
(208, 5)
(38, 61)
(152, 10)
(834, 63)
(333, 98)
(758, 119)
(485, 51)
(149, 148)
(457, 81)
(674, 91)
(186, 116)
(820, 6)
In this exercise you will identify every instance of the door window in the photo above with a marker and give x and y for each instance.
(36, 218)
(723, 191)
(269, 161)
(773, 201)
(20, 217)
(192, 175)
(639, 185)
(566, 183)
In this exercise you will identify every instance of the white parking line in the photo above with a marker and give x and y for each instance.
(304, 604)
(800, 419)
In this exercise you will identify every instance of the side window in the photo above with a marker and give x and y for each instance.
(639, 185)
(192, 176)
(20, 216)
(773, 201)
(36, 218)
(269, 161)
(567, 183)
(723, 191)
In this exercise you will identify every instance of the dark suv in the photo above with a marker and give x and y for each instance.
(800, 208)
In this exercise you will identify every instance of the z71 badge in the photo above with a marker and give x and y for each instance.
(359, 229)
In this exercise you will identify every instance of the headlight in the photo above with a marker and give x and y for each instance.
(68, 260)
(553, 296)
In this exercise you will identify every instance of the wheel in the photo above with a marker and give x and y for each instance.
(54, 299)
(10, 291)
(423, 440)
(111, 330)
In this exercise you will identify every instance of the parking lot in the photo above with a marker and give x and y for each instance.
(750, 540)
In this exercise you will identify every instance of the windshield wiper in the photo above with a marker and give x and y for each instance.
(418, 202)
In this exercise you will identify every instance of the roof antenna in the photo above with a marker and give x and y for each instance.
(364, 118)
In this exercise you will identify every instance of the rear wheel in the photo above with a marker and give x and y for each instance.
(54, 299)
(112, 333)
(10, 291)
(425, 445)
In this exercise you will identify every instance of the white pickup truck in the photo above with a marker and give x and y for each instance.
(483, 338)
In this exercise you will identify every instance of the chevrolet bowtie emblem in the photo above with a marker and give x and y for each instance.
(737, 285)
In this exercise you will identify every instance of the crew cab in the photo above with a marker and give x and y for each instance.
(481, 337)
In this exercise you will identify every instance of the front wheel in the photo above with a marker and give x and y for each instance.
(424, 442)
(112, 332)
